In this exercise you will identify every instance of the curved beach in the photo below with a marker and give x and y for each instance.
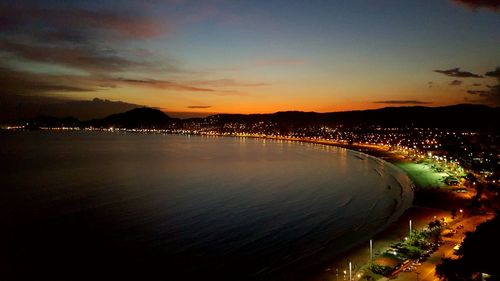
(356, 252)
(185, 207)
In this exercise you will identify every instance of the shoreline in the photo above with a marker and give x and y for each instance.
(391, 230)
(421, 211)
(427, 205)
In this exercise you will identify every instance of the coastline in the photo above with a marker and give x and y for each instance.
(421, 210)
(396, 227)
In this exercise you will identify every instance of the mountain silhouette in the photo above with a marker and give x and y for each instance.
(466, 116)
(142, 117)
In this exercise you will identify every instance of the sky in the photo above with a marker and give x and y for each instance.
(193, 58)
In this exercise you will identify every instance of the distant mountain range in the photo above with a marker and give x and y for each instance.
(455, 116)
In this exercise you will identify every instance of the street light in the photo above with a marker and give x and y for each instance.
(371, 251)
(350, 271)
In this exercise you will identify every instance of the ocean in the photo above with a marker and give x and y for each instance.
(86, 205)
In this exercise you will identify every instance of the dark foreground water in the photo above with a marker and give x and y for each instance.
(92, 206)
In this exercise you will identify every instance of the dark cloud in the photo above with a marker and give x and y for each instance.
(199, 106)
(56, 88)
(30, 106)
(26, 83)
(25, 94)
(456, 72)
(477, 92)
(174, 85)
(84, 57)
(403, 102)
(490, 96)
(162, 84)
(67, 34)
(227, 83)
(52, 53)
(476, 85)
(475, 4)
(91, 43)
(37, 87)
(191, 114)
(455, 83)
(495, 73)
(88, 109)
(115, 22)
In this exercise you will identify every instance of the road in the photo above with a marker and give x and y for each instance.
(426, 271)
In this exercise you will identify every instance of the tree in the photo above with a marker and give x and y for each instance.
(453, 270)
(453, 213)
(413, 252)
(434, 224)
(435, 234)
(368, 278)
(474, 257)
(419, 239)
(381, 269)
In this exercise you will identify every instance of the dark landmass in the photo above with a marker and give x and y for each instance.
(475, 255)
(16, 107)
(140, 118)
(446, 131)
(457, 116)
(451, 130)
(49, 121)
(136, 118)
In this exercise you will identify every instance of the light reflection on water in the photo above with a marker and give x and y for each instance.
(184, 207)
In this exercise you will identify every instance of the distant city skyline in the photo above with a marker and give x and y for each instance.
(195, 58)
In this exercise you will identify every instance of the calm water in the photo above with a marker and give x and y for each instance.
(78, 205)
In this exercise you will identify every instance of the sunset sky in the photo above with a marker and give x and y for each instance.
(188, 58)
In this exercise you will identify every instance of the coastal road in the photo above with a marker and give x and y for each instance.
(426, 271)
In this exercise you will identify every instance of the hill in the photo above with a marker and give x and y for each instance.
(462, 116)
(455, 116)
(143, 117)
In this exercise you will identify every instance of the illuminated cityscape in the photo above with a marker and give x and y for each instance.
(262, 140)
